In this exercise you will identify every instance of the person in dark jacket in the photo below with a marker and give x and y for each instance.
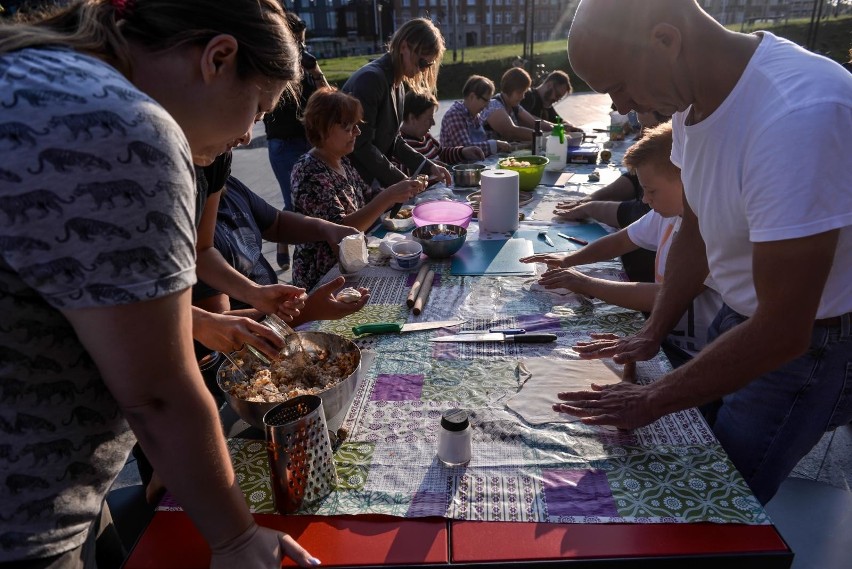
(285, 134)
(413, 58)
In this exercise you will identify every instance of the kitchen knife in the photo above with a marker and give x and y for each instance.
(501, 330)
(498, 337)
(396, 328)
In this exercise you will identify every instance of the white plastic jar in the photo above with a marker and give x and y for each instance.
(454, 438)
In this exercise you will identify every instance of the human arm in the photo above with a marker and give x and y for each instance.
(290, 227)
(686, 270)
(527, 119)
(501, 123)
(778, 332)
(322, 304)
(605, 212)
(607, 247)
(228, 332)
(144, 353)
(634, 295)
(283, 300)
(365, 217)
(457, 154)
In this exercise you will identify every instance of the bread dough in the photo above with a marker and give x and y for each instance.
(543, 378)
(348, 294)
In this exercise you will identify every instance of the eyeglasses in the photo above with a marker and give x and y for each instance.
(483, 99)
(425, 64)
(348, 128)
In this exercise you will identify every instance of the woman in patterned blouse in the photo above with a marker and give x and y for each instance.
(326, 185)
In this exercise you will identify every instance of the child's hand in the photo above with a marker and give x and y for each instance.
(552, 260)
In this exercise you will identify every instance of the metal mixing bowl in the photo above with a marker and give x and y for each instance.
(467, 175)
(334, 399)
(440, 240)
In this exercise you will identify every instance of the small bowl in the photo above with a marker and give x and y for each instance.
(467, 175)
(398, 223)
(528, 176)
(442, 211)
(440, 240)
(406, 254)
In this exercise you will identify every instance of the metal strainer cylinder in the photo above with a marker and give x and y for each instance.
(300, 454)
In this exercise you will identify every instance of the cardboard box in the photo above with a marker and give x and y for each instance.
(586, 153)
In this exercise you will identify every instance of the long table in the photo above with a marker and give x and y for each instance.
(660, 496)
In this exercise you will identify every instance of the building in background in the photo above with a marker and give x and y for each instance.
(356, 27)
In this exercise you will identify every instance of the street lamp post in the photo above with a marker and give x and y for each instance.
(376, 24)
(455, 16)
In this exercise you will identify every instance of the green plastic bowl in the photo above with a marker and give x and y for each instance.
(529, 176)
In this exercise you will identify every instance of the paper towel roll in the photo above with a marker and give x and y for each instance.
(498, 210)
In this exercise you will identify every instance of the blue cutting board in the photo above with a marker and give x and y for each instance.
(589, 232)
(493, 257)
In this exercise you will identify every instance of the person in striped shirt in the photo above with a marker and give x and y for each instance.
(418, 118)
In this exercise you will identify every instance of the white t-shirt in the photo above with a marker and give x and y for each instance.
(654, 232)
(772, 163)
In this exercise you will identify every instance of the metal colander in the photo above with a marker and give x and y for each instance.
(300, 453)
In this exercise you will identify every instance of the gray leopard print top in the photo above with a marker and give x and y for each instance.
(96, 203)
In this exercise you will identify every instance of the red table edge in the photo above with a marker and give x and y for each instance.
(475, 541)
(171, 540)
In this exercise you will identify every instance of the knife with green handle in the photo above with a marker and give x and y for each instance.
(397, 328)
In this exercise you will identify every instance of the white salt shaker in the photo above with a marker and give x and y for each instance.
(454, 447)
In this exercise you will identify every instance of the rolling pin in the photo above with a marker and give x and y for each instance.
(415, 287)
(423, 295)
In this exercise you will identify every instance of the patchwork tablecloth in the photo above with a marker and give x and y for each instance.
(670, 471)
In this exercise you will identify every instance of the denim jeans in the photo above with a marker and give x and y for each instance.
(283, 154)
(770, 424)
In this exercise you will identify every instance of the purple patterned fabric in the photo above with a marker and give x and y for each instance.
(538, 323)
(578, 493)
(428, 504)
(397, 387)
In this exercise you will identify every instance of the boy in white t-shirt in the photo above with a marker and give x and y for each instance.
(650, 157)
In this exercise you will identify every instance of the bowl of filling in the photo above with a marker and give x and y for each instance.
(529, 168)
(402, 221)
(311, 363)
(440, 240)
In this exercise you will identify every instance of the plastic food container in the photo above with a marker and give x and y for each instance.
(442, 211)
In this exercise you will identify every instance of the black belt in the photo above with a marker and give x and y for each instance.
(833, 322)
